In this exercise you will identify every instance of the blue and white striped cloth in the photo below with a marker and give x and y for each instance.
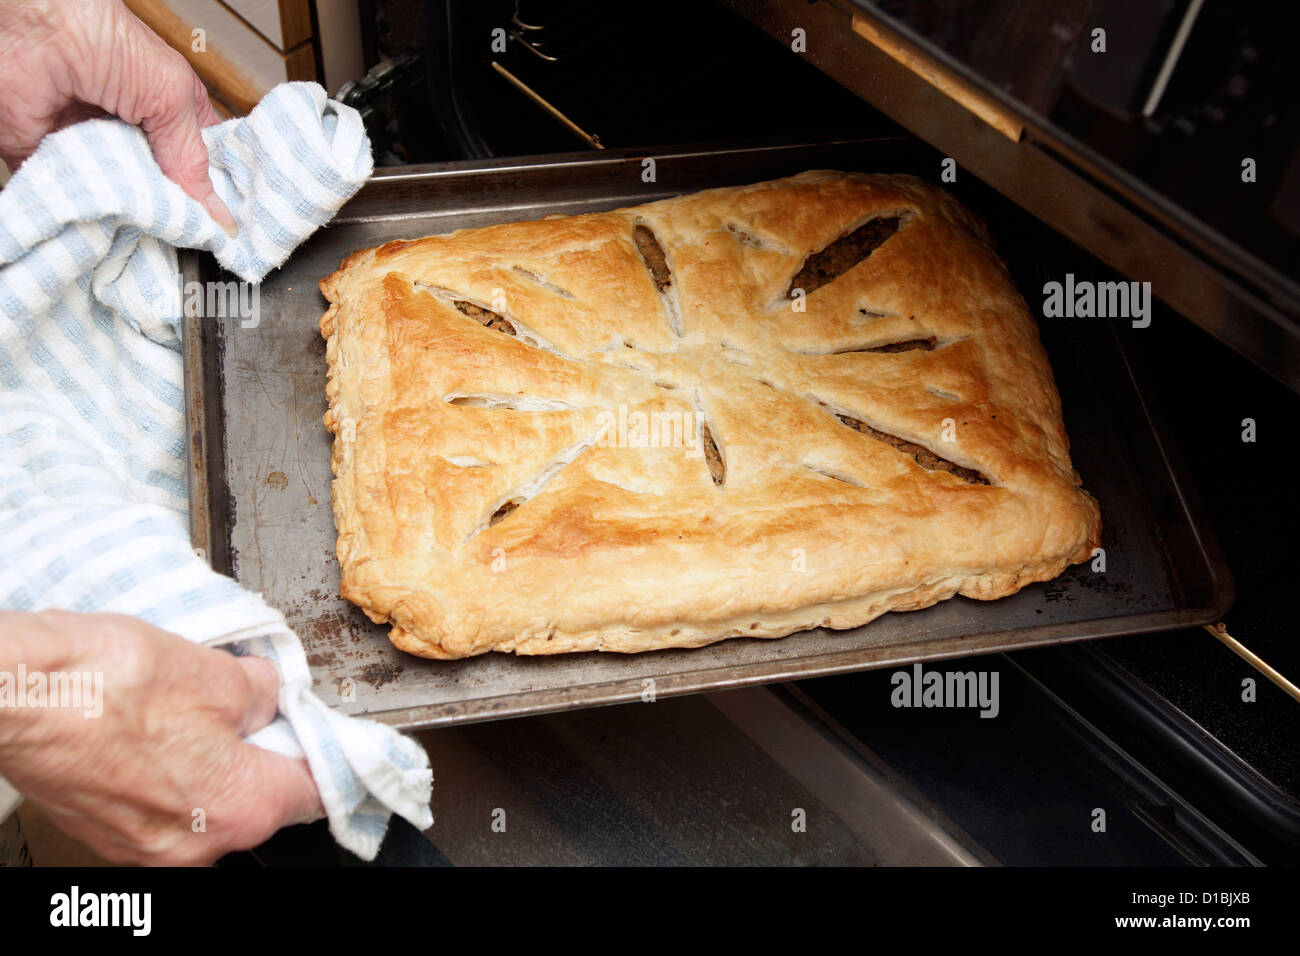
(92, 456)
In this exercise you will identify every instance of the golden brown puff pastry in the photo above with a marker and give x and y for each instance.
(747, 411)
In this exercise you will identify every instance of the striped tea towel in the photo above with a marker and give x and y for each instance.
(92, 455)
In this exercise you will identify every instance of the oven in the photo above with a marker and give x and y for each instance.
(1143, 716)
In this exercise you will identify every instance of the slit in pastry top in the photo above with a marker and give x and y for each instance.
(829, 263)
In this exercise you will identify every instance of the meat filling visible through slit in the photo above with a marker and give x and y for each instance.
(484, 317)
(655, 259)
(843, 254)
(927, 345)
(713, 457)
(921, 455)
(503, 512)
(908, 346)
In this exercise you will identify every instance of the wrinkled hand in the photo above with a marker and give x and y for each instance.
(168, 742)
(62, 62)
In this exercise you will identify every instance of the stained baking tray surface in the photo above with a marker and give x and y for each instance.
(260, 461)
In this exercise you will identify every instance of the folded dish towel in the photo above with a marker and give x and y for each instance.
(92, 455)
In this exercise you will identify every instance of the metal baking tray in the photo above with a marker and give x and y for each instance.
(260, 459)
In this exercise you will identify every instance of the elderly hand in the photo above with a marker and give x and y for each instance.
(157, 771)
(63, 62)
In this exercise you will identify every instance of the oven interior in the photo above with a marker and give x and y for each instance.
(1153, 729)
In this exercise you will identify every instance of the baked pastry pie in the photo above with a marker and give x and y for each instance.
(747, 411)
